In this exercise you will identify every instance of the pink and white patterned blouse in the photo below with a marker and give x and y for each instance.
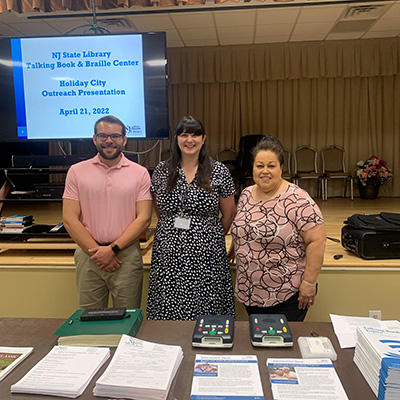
(270, 253)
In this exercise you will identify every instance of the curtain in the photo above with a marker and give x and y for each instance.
(360, 114)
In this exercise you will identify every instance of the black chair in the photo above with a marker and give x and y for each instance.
(287, 166)
(244, 171)
(241, 168)
(305, 166)
(334, 167)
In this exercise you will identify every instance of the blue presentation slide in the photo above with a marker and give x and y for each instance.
(64, 85)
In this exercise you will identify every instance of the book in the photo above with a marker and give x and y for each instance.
(139, 370)
(7, 223)
(64, 371)
(17, 217)
(12, 229)
(74, 332)
(10, 357)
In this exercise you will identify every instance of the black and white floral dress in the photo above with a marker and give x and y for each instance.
(190, 273)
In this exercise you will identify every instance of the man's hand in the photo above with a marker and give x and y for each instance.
(105, 258)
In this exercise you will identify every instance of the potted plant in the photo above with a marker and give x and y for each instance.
(370, 175)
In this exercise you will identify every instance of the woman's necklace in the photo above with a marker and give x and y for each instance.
(270, 196)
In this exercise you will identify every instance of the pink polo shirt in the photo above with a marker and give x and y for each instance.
(107, 195)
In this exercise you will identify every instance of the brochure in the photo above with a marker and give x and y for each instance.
(218, 377)
(304, 379)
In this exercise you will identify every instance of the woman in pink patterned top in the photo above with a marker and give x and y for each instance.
(279, 240)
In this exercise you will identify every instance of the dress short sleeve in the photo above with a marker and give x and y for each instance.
(159, 178)
(222, 180)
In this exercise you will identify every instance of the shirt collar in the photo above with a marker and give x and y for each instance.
(123, 162)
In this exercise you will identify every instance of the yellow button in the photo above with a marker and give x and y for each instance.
(226, 330)
(284, 329)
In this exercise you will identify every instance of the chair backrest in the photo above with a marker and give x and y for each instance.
(228, 157)
(333, 159)
(305, 160)
(225, 154)
(287, 165)
(246, 144)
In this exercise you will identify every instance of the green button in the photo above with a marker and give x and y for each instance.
(212, 332)
(271, 331)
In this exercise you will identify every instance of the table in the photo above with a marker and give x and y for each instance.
(38, 333)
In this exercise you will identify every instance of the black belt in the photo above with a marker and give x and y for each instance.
(104, 243)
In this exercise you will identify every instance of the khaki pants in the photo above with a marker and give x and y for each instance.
(125, 284)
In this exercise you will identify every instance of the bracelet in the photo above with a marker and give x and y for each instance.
(310, 284)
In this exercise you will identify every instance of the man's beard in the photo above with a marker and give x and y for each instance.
(118, 151)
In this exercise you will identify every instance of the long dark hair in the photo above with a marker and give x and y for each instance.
(189, 124)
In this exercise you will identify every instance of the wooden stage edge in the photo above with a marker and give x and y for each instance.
(334, 210)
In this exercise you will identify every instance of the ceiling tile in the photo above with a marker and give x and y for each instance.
(277, 15)
(193, 20)
(65, 24)
(307, 37)
(236, 31)
(381, 34)
(274, 29)
(321, 13)
(147, 23)
(344, 36)
(7, 30)
(386, 24)
(235, 18)
(271, 39)
(393, 11)
(35, 28)
(315, 28)
(197, 33)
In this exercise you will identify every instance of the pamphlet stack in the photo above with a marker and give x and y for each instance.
(64, 371)
(139, 370)
(15, 223)
(10, 357)
(377, 355)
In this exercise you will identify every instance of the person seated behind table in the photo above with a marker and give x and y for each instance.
(190, 273)
(279, 240)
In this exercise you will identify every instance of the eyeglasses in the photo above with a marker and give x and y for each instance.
(115, 137)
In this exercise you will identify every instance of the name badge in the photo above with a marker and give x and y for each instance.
(182, 223)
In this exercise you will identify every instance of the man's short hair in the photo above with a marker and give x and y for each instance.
(111, 120)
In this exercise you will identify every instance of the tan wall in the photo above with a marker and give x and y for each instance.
(51, 293)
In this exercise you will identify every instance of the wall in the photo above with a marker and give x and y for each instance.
(51, 293)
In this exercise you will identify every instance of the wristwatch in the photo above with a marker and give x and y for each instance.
(115, 248)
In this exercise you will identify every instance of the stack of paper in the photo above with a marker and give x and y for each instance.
(140, 370)
(377, 356)
(345, 327)
(226, 377)
(300, 379)
(10, 357)
(65, 371)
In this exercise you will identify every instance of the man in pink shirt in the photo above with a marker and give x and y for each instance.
(106, 207)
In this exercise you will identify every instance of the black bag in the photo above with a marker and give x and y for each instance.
(372, 237)
(382, 222)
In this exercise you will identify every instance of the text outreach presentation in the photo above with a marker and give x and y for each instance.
(65, 80)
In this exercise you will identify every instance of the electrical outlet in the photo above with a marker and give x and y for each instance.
(377, 314)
